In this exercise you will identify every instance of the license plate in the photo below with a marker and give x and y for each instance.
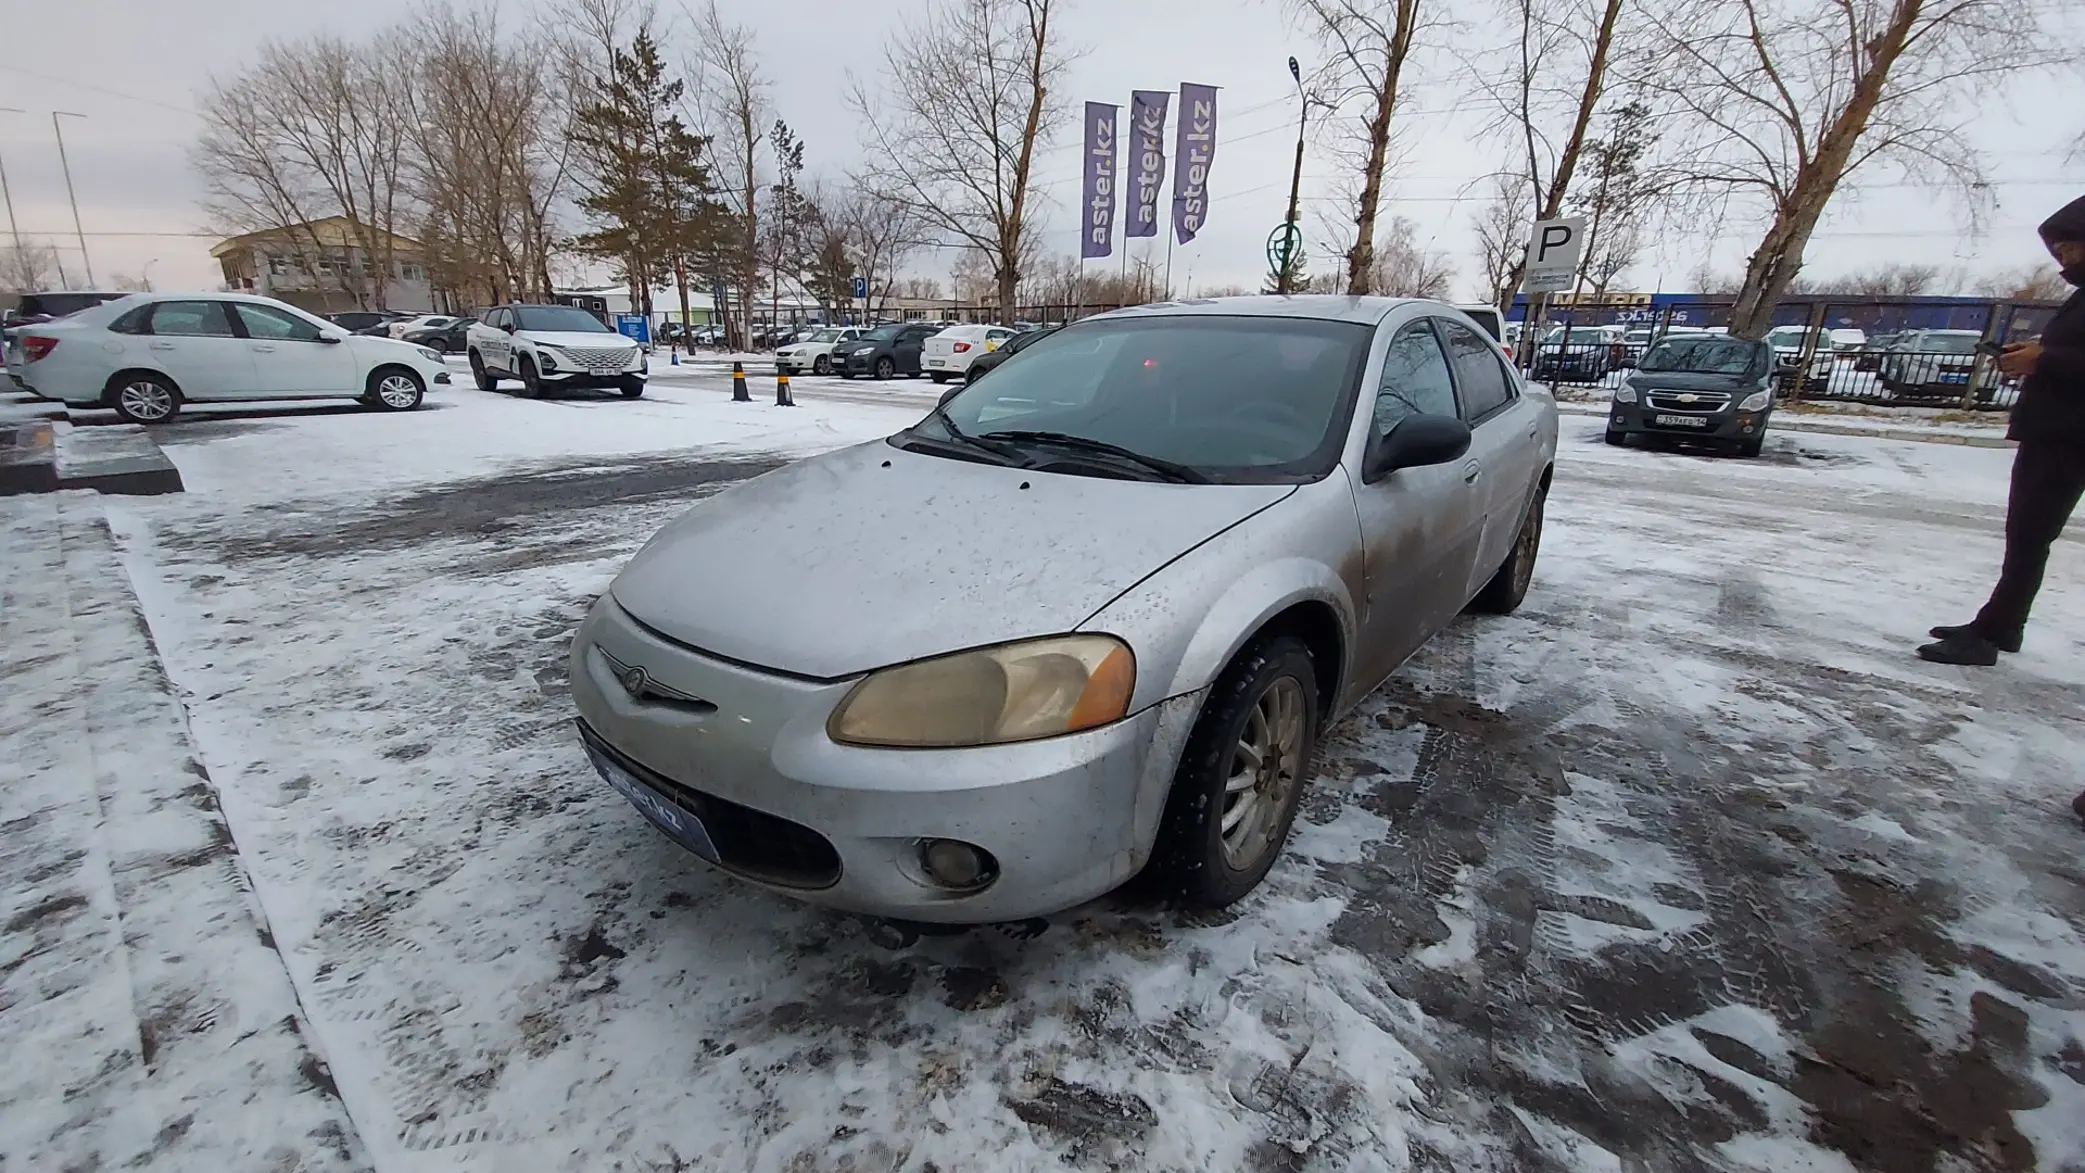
(685, 828)
(1680, 421)
(935, 362)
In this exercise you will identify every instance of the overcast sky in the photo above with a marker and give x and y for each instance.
(141, 63)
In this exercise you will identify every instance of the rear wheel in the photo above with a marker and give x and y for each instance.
(394, 389)
(142, 398)
(479, 375)
(939, 376)
(1503, 594)
(1245, 765)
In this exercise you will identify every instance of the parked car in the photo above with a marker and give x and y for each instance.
(1635, 340)
(948, 355)
(376, 323)
(1789, 343)
(991, 359)
(400, 327)
(448, 339)
(814, 353)
(1700, 388)
(34, 309)
(1935, 364)
(1847, 340)
(885, 351)
(1870, 356)
(1582, 354)
(148, 354)
(553, 348)
(1489, 317)
(1192, 537)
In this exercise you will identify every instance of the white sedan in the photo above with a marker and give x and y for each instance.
(404, 326)
(147, 354)
(814, 353)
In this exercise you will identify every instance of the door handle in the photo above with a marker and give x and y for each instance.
(1471, 471)
(264, 350)
(160, 346)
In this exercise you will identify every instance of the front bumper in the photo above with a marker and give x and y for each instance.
(582, 379)
(1727, 425)
(859, 363)
(782, 805)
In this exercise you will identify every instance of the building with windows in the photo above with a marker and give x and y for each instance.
(329, 265)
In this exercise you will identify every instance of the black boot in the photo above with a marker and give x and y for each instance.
(1969, 629)
(1961, 649)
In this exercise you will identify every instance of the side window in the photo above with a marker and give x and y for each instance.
(191, 319)
(271, 324)
(497, 319)
(1415, 379)
(137, 321)
(1478, 374)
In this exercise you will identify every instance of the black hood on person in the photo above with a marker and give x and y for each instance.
(2067, 224)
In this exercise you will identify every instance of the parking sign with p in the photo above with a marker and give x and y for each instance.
(1553, 252)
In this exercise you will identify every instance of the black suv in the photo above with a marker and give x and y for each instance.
(885, 351)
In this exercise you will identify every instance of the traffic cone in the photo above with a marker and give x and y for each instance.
(738, 384)
(782, 396)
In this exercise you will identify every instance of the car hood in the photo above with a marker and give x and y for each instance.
(872, 556)
(1644, 380)
(578, 338)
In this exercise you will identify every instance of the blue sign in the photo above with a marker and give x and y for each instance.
(861, 287)
(636, 327)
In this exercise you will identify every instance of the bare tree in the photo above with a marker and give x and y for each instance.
(882, 231)
(1704, 278)
(1370, 44)
(2027, 283)
(1406, 268)
(1502, 236)
(28, 268)
(972, 95)
(736, 113)
(1787, 98)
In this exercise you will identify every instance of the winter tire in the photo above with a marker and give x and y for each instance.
(633, 388)
(1503, 594)
(531, 386)
(394, 389)
(1618, 439)
(480, 375)
(885, 368)
(142, 398)
(822, 365)
(1245, 765)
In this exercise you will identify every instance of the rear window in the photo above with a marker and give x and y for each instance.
(58, 305)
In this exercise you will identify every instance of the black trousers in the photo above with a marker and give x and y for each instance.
(2048, 479)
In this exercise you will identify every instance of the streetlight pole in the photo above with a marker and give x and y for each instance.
(13, 228)
(1284, 280)
(66, 166)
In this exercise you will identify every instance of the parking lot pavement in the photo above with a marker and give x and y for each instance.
(1687, 865)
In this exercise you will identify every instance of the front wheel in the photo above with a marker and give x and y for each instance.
(394, 389)
(1617, 439)
(1244, 768)
(531, 385)
(822, 365)
(1503, 594)
(479, 375)
(633, 388)
(885, 368)
(1752, 447)
(145, 399)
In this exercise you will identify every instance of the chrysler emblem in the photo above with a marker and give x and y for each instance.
(635, 681)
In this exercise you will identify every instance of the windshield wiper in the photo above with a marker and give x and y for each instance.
(960, 439)
(1178, 473)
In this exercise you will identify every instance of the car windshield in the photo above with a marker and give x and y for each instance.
(1790, 339)
(881, 334)
(567, 319)
(1240, 399)
(1587, 334)
(1704, 354)
(1948, 344)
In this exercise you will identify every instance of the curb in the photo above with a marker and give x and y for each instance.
(1836, 428)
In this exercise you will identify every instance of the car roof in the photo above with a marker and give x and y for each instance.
(1322, 306)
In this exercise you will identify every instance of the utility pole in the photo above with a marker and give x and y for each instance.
(1287, 240)
(66, 166)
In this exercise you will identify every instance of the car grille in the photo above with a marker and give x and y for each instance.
(753, 843)
(596, 361)
(1704, 401)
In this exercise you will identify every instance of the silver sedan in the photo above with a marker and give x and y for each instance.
(1089, 617)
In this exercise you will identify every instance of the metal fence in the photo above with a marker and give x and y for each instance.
(1876, 351)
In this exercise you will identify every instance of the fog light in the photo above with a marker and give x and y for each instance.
(954, 864)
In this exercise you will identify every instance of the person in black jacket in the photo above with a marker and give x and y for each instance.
(2048, 468)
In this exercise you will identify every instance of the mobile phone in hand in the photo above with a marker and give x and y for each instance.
(1991, 346)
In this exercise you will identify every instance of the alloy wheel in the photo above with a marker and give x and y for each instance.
(1265, 767)
(146, 400)
(397, 391)
(1528, 544)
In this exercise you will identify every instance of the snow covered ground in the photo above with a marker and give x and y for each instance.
(1688, 865)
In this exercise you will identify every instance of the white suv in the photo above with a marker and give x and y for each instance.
(814, 353)
(553, 347)
(948, 355)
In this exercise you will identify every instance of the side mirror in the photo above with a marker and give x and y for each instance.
(509, 327)
(331, 339)
(1416, 442)
(949, 394)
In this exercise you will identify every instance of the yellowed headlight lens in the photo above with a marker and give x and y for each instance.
(1013, 692)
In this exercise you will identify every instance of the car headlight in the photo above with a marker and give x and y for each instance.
(1626, 393)
(546, 358)
(1756, 401)
(430, 354)
(989, 696)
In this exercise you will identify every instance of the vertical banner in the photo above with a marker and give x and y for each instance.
(1147, 160)
(1098, 197)
(1196, 151)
